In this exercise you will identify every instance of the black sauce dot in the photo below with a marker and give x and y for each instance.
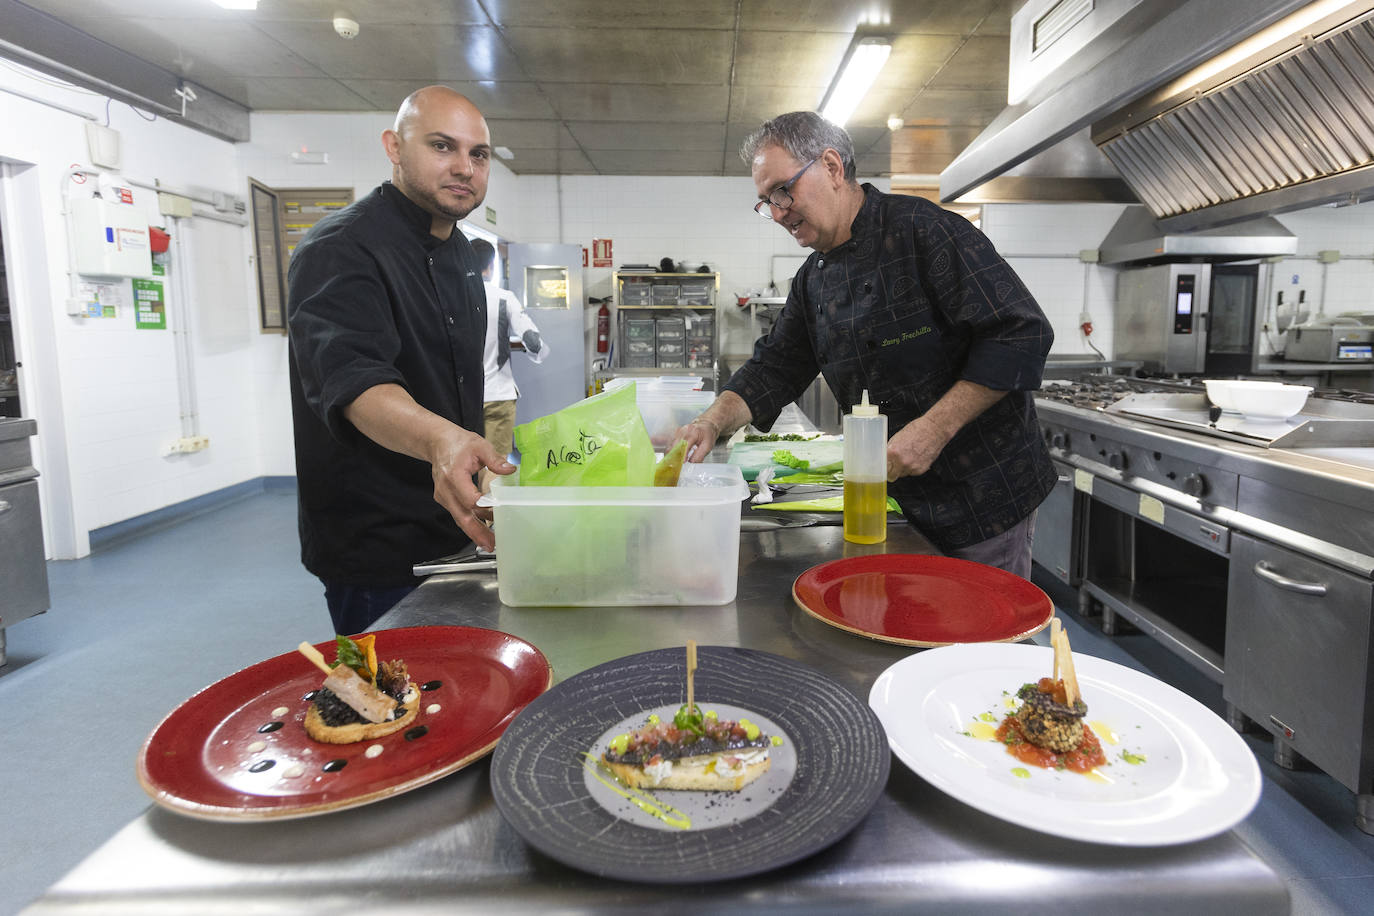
(418, 731)
(310, 696)
(262, 765)
(432, 685)
(335, 766)
(269, 727)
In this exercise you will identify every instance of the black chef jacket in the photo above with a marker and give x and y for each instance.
(914, 301)
(374, 298)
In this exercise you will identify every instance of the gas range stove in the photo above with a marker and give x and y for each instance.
(1332, 418)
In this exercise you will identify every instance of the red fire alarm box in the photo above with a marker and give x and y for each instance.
(158, 240)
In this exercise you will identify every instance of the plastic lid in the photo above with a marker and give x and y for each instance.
(865, 409)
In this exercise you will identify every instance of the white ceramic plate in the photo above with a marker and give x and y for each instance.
(1198, 777)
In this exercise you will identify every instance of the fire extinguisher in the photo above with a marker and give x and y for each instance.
(603, 328)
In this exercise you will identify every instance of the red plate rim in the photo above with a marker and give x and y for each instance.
(822, 574)
(533, 675)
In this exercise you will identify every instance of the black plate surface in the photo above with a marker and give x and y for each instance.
(841, 751)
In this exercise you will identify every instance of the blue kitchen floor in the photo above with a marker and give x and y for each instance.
(153, 617)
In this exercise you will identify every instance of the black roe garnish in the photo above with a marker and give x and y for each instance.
(269, 727)
(432, 685)
(418, 731)
(262, 765)
(335, 765)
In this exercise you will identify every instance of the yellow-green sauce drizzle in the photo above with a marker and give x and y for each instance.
(1132, 758)
(1020, 772)
(640, 799)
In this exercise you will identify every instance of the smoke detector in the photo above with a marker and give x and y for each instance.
(347, 28)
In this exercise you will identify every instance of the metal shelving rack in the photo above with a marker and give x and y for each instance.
(667, 324)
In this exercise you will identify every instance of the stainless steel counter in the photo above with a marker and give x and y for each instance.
(445, 848)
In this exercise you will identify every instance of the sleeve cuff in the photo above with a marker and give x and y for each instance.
(1002, 368)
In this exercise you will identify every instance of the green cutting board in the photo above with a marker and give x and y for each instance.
(752, 457)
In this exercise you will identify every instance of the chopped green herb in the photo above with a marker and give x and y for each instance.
(1134, 759)
(784, 457)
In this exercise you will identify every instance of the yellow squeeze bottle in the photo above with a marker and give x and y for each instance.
(865, 474)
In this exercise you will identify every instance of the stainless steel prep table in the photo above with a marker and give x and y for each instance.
(445, 848)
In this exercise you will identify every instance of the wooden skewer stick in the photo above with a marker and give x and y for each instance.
(691, 672)
(314, 655)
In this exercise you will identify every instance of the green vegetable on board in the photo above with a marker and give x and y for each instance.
(784, 457)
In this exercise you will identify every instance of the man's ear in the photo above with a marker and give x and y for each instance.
(834, 166)
(391, 142)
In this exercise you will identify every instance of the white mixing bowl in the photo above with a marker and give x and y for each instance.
(1258, 400)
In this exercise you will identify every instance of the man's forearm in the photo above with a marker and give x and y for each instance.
(390, 417)
(960, 405)
(727, 413)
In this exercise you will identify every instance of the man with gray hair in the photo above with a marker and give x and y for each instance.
(913, 304)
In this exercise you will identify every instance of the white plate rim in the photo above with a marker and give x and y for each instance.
(1194, 725)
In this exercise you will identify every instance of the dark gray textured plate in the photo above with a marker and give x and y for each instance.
(841, 765)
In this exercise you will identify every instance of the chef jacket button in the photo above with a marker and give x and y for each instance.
(868, 286)
(450, 319)
(821, 263)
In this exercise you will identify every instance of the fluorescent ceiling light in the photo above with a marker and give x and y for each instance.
(860, 68)
(237, 4)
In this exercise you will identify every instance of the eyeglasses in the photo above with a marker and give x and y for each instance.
(781, 196)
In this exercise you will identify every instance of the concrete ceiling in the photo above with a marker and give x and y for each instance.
(576, 87)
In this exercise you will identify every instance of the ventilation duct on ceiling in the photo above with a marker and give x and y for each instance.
(1296, 130)
(1212, 111)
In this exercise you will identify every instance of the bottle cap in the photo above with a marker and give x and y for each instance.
(863, 408)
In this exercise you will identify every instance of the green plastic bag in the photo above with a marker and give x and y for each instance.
(597, 442)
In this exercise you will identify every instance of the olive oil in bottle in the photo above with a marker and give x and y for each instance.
(865, 474)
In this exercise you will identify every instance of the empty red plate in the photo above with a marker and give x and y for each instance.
(919, 600)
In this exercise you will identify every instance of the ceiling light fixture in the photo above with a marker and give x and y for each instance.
(504, 152)
(237, 4)
(859, 69)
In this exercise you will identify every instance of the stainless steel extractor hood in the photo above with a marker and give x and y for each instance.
(1213, 111)
(1138, 238)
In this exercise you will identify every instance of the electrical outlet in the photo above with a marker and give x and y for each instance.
(187, 444)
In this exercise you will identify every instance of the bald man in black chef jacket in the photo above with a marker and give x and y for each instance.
(387, 318)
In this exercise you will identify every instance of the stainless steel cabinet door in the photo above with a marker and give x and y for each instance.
(1298, 656)
(22, 569)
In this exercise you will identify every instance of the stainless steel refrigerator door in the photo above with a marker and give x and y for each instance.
(548, 281)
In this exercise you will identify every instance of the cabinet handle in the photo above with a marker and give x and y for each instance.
(5, 506)
(1266, 572)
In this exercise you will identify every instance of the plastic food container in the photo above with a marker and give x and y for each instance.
(617, 546)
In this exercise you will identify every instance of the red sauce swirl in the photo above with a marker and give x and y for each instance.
(1081, 759)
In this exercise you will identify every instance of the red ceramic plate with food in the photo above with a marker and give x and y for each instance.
(919, 600)
(238, 750)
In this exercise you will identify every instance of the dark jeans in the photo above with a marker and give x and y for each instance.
(354, 608)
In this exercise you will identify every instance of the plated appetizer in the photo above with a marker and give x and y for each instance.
(696, 751)
(1047, 729)
(361, 698)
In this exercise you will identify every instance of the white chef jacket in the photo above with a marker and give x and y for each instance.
(499, 384)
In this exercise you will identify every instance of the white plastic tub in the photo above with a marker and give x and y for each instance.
(614, 546)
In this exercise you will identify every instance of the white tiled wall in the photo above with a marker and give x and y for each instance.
(1042, 243)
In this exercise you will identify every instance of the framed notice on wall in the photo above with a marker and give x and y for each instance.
(281, 218)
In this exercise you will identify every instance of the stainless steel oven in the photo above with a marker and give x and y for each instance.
(1185, 318)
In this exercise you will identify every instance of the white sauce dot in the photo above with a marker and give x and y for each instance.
(279, 712)
(374, 751)
(256, 746)
(432, 708)
(293, 772)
